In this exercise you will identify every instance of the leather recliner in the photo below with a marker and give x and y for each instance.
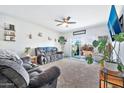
(14, 75)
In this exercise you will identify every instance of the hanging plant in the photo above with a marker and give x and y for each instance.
(62, 40)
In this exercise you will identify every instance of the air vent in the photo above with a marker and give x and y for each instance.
(80, 32)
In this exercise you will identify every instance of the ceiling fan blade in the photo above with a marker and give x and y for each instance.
(68, 18)
(58, 21)
(58, 24)
(71, 22)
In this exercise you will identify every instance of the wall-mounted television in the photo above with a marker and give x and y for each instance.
(113, 22)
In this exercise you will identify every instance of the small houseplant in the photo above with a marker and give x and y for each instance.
(62, 42)
(27, 51)
(106, 49)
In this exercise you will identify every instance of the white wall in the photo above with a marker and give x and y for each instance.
(92, 34)
(23, 29)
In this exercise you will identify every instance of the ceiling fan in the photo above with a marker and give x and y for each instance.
(65, 21)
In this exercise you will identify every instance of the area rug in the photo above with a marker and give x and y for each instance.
(76, 73)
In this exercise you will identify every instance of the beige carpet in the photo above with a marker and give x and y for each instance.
(76, 73)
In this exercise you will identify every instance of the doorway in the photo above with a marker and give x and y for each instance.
(75, 52)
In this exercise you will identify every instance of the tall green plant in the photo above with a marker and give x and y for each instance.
(101, 45)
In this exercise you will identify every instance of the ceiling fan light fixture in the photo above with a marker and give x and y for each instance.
(65, 24)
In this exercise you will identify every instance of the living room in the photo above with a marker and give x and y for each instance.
(57, 41)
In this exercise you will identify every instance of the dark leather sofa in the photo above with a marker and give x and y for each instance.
(47, 54)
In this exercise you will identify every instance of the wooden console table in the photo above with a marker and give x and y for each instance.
(111, 79)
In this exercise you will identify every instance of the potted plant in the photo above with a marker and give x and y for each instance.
(101, 46)
(62, 42)
(105, 48)
(27, 51)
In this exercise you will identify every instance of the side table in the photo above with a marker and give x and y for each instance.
(34, 59)
(111, 79)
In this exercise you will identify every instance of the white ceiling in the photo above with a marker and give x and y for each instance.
(84, 15)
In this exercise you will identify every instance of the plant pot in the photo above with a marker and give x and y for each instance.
(97, 57)
(111, 66)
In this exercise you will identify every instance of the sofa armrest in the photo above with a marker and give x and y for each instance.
(41, 59)
(45, 77)
(37, 69)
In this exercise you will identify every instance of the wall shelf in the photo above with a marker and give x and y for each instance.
(9, 33)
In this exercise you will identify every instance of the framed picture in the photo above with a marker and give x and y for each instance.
(40, 34)
(49, 38)
(9, 32)
(9, 27)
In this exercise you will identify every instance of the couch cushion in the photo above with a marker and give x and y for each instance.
(27, 66)
(45, 77)
(26, 60)
(33, 74)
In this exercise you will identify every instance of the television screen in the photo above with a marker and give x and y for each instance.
(113, 22)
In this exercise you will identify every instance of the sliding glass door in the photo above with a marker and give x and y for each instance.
(76, 43)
